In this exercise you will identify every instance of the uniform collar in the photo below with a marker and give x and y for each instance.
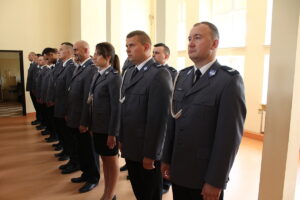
(139, 66)
(204, 68)
(65, 63)
(86, 60)
(103, 70)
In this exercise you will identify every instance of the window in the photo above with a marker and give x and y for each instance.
(269, 23)
(134, 16)
(230, 18)
(180, 63)
(265, 79)
(235, 62)
(181, 26)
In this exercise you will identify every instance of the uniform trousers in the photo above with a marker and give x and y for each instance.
(72, 145)
(43, 109)
(184, 193)
(60, 126)
(88, 158)
(50, 121)
(36, 106)
(146, 184)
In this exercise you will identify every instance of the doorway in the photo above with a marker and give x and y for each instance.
(12, 91)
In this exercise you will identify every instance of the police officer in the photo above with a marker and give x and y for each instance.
(105, 111)
(40, 94)
(77, 118)
(209, 110)
(37, 92)
(51, 55)
(145, 97)
(32, 57)
(61, 82)
(161, 54)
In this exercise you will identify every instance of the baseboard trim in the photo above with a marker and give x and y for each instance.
(253, 135)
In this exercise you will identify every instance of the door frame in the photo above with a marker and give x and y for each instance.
(22, 75)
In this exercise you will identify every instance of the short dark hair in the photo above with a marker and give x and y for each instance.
(143, 37)
(166, 48)
(212, 27)
(67, 44)
(38, 54)
(48, 50)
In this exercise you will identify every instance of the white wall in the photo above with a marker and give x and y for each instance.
(32, 25)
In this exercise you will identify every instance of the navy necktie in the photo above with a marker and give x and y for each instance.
(94, 85)
(197, 76)
(135, 71)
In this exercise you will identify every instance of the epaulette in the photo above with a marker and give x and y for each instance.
(131, 66)
(172, 69)
(158, 65)
(186, 69)
(229, 70)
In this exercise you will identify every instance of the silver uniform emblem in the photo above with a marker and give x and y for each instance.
(212, 72)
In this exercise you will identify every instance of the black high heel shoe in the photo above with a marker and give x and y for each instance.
(114, 198)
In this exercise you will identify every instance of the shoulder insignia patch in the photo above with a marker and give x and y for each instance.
(172, 69)
(229, 70)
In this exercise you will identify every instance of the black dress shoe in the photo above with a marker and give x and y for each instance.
(35, 122)
(65, 166)
(52, 139)
(63, 158)
(87, 187)
(57, 144)
(68, 164)
(48, 138)
(123, 168)
(45, 132)
(70, 169)
(40, 127)
(78, 180)
(59, 154)
(58, 148)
